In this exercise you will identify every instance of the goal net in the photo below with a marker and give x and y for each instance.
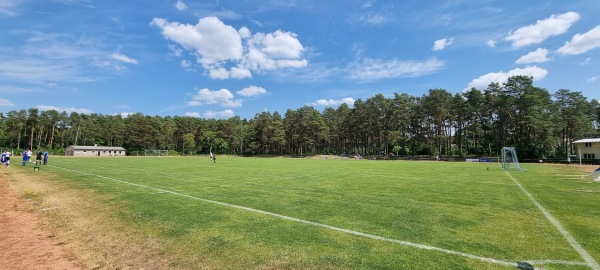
(155, 153)
(509, 159)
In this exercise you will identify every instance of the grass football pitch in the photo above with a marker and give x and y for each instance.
(284, 213)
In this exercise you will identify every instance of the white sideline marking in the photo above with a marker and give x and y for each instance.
(372, 236)
(542, 262)
(582, 252)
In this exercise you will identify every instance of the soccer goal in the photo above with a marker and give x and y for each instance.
(155, 153)
(509, 159)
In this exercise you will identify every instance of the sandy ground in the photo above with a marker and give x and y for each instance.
(24, 243)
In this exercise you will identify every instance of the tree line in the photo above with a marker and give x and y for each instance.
(470, 123)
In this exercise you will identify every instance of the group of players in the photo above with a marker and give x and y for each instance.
(38, 159)
(5, 159)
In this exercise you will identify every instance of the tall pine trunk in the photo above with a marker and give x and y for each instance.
(31, 138)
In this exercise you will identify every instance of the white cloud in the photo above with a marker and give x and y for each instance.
(107, 64)
(373, 18)
(219, 114)
(218, 73)
(6, 7)
(180, 5)
(593, 79)
(226, 14)
(256, 22)
(587, 61)
(441, 44)
(239, 73)
(83, 3)
(279, 45)
(226, 53)
(581, 43)
(186, 63)
(6, 103)
(538, 56)
(123, 58)
(542, 29)
(125, 114)
(273, 51)
(64, 109)
(252, 91)
(501, 77)
(333, 102)
(41, 70)
(12, 89)
(221, 97)
(192, 114)
(232, 103)
(175, 51)
(210, 38)
(235, 73)
(374, 69)
(491, 43)
(245, 32)
(348, 100)
(367, 4)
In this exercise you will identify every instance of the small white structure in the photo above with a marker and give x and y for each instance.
(94, 151)
(588, 148)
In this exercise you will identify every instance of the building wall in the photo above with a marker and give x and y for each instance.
(112, 153)
(94, 153)
(98, 153)
(589, 150)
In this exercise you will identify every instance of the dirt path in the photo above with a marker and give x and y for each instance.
(24, 244)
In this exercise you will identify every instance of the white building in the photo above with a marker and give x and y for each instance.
(588, 148)
(94, 151)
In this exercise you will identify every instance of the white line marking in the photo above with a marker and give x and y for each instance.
(582, 252)
(372, 236)
(543, 262)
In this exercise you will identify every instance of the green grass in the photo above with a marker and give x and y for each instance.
(472, 208)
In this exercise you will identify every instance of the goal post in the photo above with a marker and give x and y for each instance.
(509, 159)
(155, 153)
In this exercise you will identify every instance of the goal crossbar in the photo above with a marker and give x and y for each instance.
(155, 152)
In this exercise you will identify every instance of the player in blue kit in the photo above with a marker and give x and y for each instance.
(45, 157)
(25, 158)
(7, 158)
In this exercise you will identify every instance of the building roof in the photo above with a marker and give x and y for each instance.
(593, 140)
(97, 148)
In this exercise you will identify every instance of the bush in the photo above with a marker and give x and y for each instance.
(57, 152)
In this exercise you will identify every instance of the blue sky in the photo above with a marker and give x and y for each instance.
(218, 59)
